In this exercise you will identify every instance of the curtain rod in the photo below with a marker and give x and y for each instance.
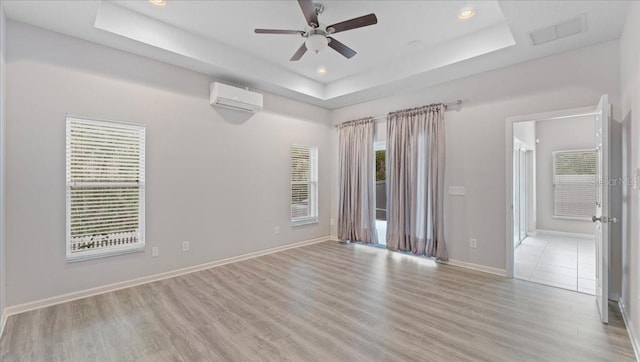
(446, 105)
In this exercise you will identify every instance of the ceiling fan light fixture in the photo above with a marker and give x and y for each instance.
(316, 42)
(466, 13)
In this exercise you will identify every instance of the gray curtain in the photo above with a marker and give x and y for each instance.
(415, 181)
(356, 208)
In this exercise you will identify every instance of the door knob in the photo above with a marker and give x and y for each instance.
(604, 219)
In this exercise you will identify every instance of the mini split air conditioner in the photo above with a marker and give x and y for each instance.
(239, 99)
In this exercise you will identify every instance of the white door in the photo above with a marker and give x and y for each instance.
(601, 217)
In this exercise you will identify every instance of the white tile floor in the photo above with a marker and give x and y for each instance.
(562, 262)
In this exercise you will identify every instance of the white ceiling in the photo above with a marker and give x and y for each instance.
(217, 38)
(376, 45)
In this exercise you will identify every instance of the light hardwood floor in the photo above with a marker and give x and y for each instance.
(325, 302)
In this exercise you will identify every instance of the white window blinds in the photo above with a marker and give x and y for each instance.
(574, 183)
(105, 188)
(304, 184)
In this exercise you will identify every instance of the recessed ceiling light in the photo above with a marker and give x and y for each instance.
(322, 70)
(158, 2)
(466, 13)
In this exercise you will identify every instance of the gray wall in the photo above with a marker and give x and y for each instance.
(222, 184)
(475, 150)
(559, 135)
(2, 160)
(630, 100)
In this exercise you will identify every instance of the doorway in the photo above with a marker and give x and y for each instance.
(553, 197)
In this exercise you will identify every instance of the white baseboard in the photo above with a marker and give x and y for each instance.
(564, 234)
(460, 264)
(21, 308)
(632, 335)
(614, 296)
(476, 267)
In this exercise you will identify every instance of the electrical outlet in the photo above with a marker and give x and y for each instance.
(473, 243)
(155, 251)
(185, 246)
(276, 230)
(332, 222)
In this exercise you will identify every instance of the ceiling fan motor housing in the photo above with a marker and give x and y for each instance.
(318, 7)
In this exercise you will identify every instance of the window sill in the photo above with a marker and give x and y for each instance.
(312, 220)
(572, 218)
(104, 254)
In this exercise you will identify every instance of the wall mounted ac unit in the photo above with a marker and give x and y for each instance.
(239, 99)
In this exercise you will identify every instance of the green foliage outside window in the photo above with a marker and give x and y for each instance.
(575, 163)
(380, 166)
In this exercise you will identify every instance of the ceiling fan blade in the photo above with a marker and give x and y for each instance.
(341, 48)
(354, 23)
(309, 11)
(299, 53)
(278, 31)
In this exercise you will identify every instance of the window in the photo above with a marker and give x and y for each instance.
(381, 165)
(574, 181)
(304, 185)
(105, 188)
(381, 180)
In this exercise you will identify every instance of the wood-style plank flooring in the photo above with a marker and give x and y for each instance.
(325, 302)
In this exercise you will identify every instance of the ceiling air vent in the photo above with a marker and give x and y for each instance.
(559, 31)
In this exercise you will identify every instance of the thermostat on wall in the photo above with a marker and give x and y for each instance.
(456, 190)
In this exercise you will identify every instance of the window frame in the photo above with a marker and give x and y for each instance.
(312, 218)
(139, 246)
(570, 217)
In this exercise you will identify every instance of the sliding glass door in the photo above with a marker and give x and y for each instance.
(381, 191)
(519, 195)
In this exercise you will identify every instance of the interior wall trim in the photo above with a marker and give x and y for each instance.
(476, 267)
(564, 234)
(632, 335)
(68, 297)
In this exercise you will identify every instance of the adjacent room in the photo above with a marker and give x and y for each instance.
(285, 180)
(554, 200)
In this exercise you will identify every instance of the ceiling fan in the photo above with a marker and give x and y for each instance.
(317, 36)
